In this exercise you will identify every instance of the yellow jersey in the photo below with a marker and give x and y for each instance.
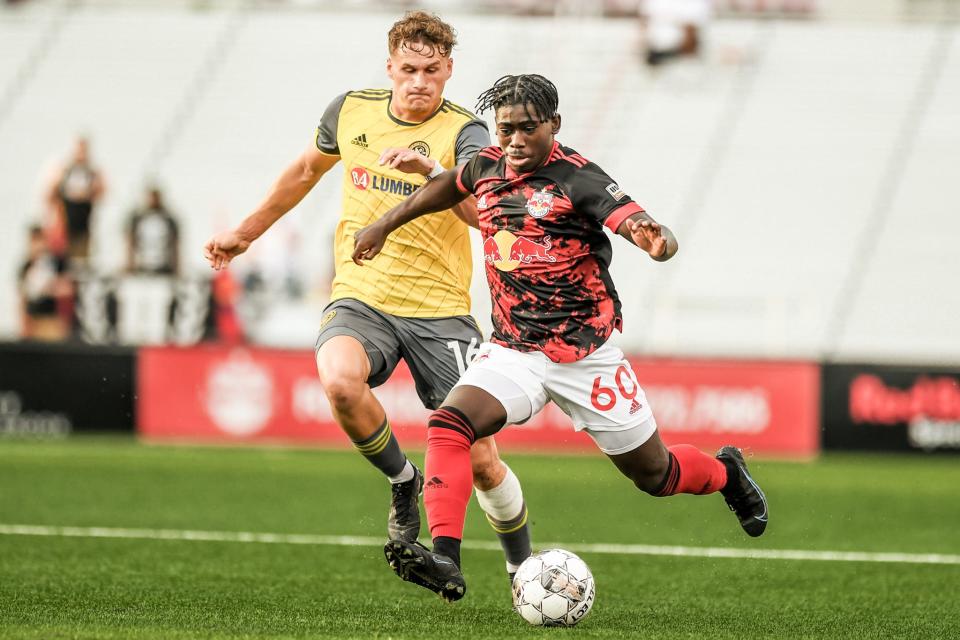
(425, 267)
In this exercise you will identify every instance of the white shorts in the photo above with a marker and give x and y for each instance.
(600, 393)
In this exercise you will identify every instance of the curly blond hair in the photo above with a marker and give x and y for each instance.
(427, 30)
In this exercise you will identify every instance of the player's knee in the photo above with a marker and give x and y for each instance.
(342, 390)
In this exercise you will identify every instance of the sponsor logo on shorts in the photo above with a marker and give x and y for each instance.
(327, 318)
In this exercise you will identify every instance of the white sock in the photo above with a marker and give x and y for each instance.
(404, 475)
(505, 500)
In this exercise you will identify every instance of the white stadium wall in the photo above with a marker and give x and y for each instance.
(809, 169)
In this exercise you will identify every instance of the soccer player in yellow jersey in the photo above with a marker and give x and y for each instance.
(414, 304)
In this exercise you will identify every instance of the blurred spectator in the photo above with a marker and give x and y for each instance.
(673, 28)
(225, 294)
(42, 284)
(73, 194)
(153, 238)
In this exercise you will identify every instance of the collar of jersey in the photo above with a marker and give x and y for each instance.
(404, 123)
(512, 175)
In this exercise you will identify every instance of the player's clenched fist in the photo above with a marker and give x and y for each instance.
(224, 247)
(368, 242)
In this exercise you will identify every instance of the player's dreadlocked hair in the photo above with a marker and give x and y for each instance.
(527, 89)
(427, 32)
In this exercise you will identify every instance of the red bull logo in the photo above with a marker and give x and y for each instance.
(540, 203)
(506, 251)
(491, 252)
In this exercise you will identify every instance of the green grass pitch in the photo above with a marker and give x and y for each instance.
(87, 587)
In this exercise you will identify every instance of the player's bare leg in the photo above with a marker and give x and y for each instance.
(467, 414)
(646, 465)
(501, 498)
(682, 468)
(344, 368)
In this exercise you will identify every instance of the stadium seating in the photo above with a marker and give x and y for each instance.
(809, 182)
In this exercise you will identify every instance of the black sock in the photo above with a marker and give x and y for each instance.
(514, 536)
(383, 451)
(449, 547)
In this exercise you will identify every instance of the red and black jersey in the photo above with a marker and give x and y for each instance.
(546, 254)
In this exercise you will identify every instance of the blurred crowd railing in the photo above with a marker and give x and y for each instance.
(254, 395)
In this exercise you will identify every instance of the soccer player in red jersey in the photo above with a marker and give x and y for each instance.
(542, 209)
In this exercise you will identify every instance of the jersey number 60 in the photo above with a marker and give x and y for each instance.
(605, 398)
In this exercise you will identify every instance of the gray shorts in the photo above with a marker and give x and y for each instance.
(435, 348)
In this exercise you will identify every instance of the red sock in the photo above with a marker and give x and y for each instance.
(692, 471)
(448, 471)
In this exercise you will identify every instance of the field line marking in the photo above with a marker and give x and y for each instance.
(369, 541)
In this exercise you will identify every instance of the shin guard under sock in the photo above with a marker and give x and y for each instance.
(691, 471)
(449, 475)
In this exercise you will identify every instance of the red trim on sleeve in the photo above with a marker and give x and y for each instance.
(460, 186)
(615, 219)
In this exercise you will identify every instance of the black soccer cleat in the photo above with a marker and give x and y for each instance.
(415, 563)
(743, 495)
(403, 523)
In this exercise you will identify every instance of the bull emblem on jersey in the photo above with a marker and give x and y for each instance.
(506, 251)
(540, 204)
(527, 251)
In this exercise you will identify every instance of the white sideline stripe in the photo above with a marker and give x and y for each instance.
(367, 541)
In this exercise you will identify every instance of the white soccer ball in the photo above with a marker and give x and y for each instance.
(553, 588)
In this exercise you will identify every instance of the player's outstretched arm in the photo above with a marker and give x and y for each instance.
(410, 161)
(651, 236)
(294, 183)
(437, 195)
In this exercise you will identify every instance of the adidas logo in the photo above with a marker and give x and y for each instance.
(436, 483)
(360, 141)
(635, 406)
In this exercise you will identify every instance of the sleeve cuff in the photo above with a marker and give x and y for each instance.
(616, 218)
(460, 184)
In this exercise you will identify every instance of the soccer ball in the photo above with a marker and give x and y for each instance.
(553, 588)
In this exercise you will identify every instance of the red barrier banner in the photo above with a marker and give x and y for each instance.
(223, 394)
(770, 408)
